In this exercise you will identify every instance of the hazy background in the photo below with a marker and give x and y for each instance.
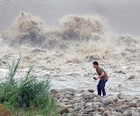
(120, 16)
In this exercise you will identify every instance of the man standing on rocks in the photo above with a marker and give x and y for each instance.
(103, 78)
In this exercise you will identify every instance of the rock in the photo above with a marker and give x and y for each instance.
(68, 90)
(127, 113)
(121, 108)
(139, 109)
(96, 113)
(121, 96)
(88, 97)
(77, 99)
(91, 90)
(133, 103)
(111, 109)
(106, 101)
(134, 109)
(66, 114)
(122, 72)
(61, 105)
(53, 91)
(71, 102)
(89, 110)
(91, 114)
(96, 104)
(112, 98)
(128, 98)
(101, 109)
(138, 104)
(88, 104)
(4, 111)
(64, 110)
(97, 99)
(116, 113)
(79, 106)
(121, 101)
(107, 113)
(65, 100)
(113, 105)
(70, 106)
(131, 77)
(135, 114)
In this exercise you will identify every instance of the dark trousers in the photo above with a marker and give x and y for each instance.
(101, 87)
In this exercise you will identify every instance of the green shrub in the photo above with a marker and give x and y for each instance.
(28, 95)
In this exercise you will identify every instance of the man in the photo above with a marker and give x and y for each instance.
(102, 76)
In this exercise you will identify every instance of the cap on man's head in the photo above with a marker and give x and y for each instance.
(95, 63)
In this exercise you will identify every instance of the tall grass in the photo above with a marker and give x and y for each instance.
(28, 95)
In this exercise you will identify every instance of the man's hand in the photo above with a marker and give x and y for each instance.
(95, 78)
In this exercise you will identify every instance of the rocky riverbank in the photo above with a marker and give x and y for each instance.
(85, 103)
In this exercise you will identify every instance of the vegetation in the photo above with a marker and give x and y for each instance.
(27, 96)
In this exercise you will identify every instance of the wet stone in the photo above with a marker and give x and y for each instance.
(127, 113)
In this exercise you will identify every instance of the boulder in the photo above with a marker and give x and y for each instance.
(4, 111)
(68, 90)
(91, 90)
(88, 104)
(133, 109)
(107, 113)
(53, 91)
(135, 114)
(79, 106)
(96, 113)
(65, 100)
(138, 104)
(134, 103)
(116, 113)
(101, 109)
(127, 113)
(131, 77)
(121, 108)
(121, 72)
(97, 104)
(89, 110)
(87, 96)
(97, 99)
(121, 101)
(121, 96)
(113, 105)
(64, 110)
(91, 114)
(113, 98)
(106, 101)
(71, 102)
(139, 109)
(129, 98)
(77, 99)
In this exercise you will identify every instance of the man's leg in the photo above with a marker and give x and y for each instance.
(99, 88)
(102, 85)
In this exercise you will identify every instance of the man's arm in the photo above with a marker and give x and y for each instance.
(102, 75)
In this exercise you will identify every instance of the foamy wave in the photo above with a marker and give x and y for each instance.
(82, 35)
(26, 29)
(80, 27)
(30, 30)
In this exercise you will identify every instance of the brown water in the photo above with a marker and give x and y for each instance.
(64, 53)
